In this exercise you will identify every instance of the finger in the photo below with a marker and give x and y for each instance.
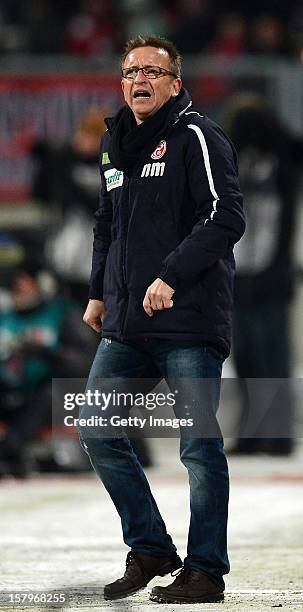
(94, 324)
(156, 300)
(150, 298)
(149, 311)
(169, 304)
(96, 327)
(161, 302)
(167, 301)
(147, 306)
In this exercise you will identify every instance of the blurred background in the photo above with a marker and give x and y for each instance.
(59, 77)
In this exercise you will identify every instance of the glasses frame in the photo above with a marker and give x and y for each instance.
(163, 72)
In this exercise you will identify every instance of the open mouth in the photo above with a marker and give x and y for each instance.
(141, 94)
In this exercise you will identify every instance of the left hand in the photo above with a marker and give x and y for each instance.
(158, 296)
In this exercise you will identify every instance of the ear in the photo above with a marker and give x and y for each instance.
(177, 84)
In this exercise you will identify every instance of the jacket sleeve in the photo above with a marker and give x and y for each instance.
(212, 177)
(102, 240)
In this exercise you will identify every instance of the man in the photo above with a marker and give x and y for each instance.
(161, 292)
(270, 169)
(40, 338)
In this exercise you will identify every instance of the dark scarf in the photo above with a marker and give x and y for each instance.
(128, 139)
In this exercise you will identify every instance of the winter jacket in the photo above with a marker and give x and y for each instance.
(176, 218)
(265, 267)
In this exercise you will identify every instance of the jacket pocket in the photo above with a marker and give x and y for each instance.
(199, 297)
(189, 296)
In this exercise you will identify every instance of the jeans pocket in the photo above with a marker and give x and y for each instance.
(215, 352)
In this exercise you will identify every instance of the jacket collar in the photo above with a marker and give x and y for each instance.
(182, 103)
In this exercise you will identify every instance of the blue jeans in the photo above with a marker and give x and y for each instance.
(121, 473)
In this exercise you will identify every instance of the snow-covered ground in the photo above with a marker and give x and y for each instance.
(62, 535)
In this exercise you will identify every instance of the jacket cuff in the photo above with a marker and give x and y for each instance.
(94, 295)
(169, 277)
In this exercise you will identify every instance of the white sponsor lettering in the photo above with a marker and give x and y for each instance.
(155, 169)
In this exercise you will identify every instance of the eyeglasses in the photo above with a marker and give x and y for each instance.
(151, 72)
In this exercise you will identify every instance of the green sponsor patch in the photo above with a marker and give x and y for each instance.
(105, 158)
(114, 178)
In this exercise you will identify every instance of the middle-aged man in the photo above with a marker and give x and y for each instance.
(161, 293)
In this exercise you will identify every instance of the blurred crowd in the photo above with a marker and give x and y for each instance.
(98, 28)
(43, 293)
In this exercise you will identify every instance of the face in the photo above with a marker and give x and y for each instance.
(25, 291)
(145, 96)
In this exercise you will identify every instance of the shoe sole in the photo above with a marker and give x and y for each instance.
(126, 594)
(163, 599)
(165, 570)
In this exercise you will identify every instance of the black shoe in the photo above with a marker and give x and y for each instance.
(140, 569)
(245, 446)
(12, 460)
(190, 586)
(277, 447)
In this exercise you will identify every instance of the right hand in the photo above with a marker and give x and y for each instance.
(94, 315)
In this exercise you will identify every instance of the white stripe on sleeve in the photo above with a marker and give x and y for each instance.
(204, 148)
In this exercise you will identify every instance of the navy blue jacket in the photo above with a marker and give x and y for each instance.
(176, 218)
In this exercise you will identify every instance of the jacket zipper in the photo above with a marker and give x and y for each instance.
(126, 186)
(126, 179)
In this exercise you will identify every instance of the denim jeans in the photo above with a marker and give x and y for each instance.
(121, 473)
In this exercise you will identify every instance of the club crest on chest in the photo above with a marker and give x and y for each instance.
(160, 150)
